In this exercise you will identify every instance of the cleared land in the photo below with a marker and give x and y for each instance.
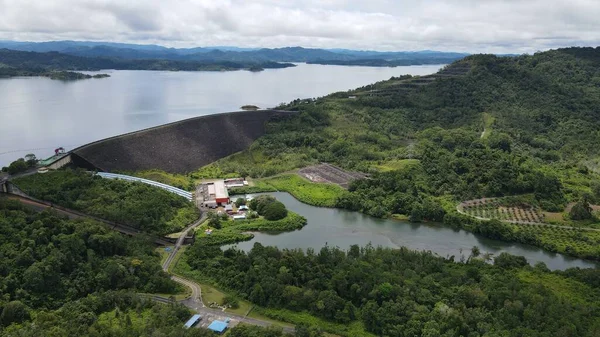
(327, 173)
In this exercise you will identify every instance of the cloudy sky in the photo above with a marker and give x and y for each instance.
(499, 26)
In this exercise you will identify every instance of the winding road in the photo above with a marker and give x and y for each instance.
(194, 302)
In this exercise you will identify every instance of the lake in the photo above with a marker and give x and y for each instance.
(341, 228)
(38, 114)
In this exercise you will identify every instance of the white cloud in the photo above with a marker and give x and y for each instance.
(460, 25)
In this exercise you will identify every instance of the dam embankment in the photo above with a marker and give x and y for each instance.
(178, 147)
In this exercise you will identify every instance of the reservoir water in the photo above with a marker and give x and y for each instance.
(334, 227)
(38, 114)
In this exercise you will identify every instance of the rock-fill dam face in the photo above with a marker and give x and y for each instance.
(178, 147)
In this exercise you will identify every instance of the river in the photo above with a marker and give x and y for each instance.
(341, 228)
(38, 114)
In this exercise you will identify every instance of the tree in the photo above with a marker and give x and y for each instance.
(581, 210)
(214, 220)
(231, 301)
(239, 202)
(14, 312)
(507, 261)
(31, 159)
(17, 166)
(274, 211)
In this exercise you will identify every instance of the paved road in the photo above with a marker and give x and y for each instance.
(180, 240)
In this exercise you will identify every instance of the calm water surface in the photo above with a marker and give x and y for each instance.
(342, 228)
(39, 113)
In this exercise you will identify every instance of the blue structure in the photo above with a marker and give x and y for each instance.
(218, 326)
(169, 188)
(190, 323)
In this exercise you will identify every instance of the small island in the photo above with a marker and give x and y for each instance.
(256, 68)
(249, 107)
(71, 75)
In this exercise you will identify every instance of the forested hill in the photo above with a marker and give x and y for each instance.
(482, 126)
(239, 55)
(12, 61)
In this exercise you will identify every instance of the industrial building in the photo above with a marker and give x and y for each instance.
(235, 182)
(192, 321)
(213, 194)
(218, 326)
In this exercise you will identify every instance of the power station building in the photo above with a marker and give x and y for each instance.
(214, 194)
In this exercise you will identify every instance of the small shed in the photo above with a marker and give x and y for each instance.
(218, 326)
(192, 321)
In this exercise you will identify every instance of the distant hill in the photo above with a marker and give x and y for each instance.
(26, 63)
(233, 54)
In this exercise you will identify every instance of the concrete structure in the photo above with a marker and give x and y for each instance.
(235, 182)
(212, 194)
(192, 321)
(178, 147)
(221, 193)
(169, 188)
(57, 161)
(218, 326)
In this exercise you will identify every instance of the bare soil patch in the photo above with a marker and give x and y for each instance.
(327, 173)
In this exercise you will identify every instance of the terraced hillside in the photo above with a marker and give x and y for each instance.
(182, 146)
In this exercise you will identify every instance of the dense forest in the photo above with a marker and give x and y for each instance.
(130, 203)
(53, 64)
(61, 277)
(398, 292)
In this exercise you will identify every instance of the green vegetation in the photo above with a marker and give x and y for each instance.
(397, 292)
(50, 264)
(308, 192)
(423, 142)
(488, 120)
(176, 180)
(396, 164)
(268, 207)
(57, 65)
(21, 164)
(135, 204)
(316, 194)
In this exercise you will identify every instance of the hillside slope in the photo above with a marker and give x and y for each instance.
(545, 129)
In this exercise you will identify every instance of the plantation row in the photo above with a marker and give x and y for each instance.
(493, 211)
(572, 241)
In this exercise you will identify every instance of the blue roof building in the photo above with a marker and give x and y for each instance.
(218, 326)
(190, 323)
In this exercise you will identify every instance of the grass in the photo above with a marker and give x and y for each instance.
(316, 194)
(163, 253)
(488, 120)
(565, 288)
(396, 164)
(176, 180)
(353, 329)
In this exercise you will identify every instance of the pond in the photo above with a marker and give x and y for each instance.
(341, 228)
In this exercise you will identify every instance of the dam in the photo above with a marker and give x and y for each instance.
(178, 147)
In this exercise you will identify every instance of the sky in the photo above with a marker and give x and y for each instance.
(494, 26)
